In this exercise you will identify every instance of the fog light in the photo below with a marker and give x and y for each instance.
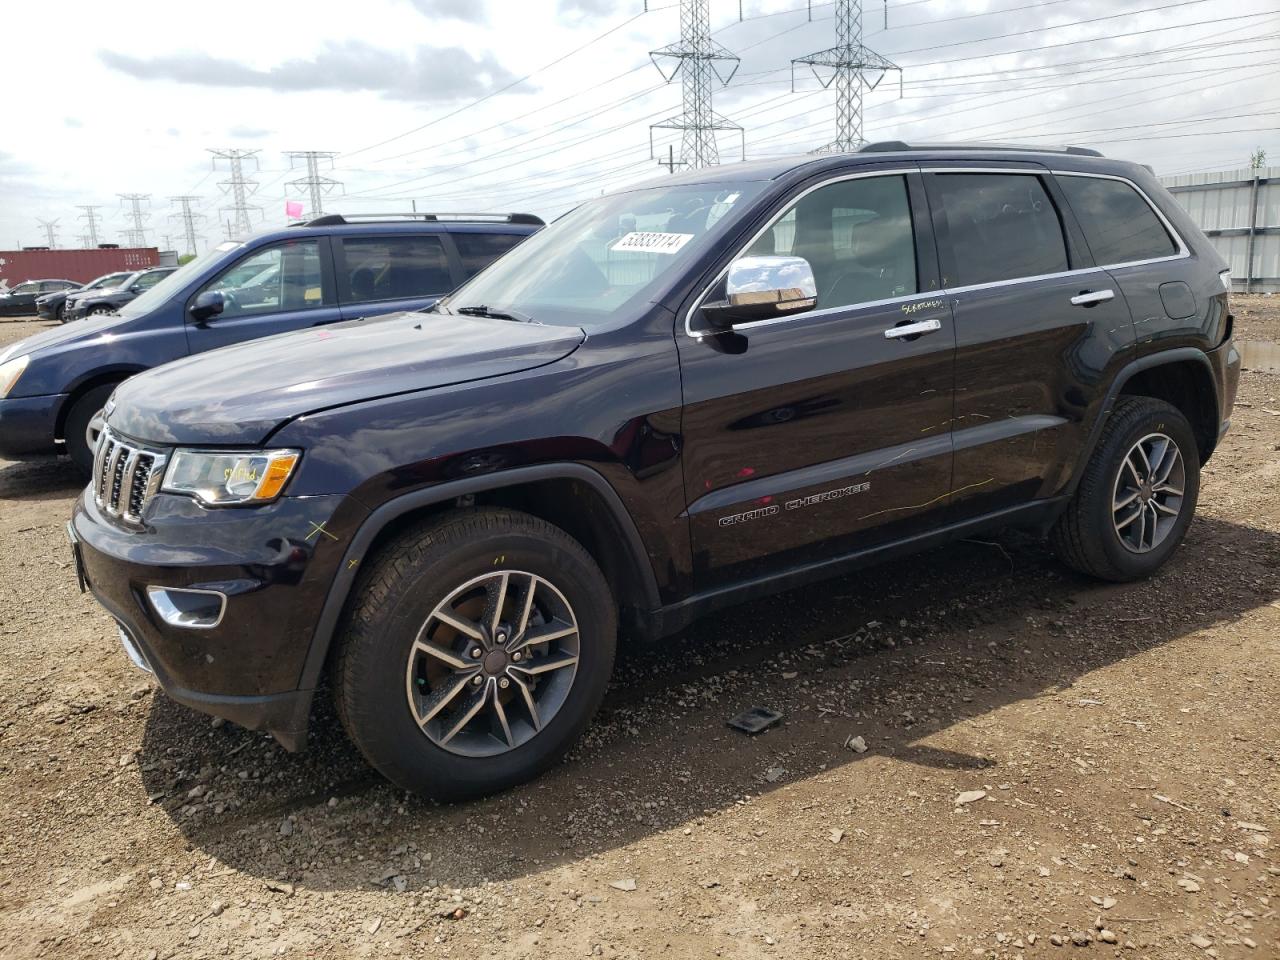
(187, 607)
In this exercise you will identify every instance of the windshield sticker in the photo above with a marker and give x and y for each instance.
(644, 242)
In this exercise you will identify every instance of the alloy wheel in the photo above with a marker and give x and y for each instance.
(493, 663)
(1148, 494)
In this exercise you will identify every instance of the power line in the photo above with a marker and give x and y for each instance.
(313, 184)
(494, 93)
(698, 60)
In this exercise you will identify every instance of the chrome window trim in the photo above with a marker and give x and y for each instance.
(903, 171)
(1182, 254)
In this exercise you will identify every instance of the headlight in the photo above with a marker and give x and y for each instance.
(220, 477)
(10, 371)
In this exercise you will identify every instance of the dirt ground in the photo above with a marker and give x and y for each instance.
(1123, 741)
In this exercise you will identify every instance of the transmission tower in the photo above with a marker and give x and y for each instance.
(240, 190)
(90, 217)
(313, 184)
(700, 61)
(50, 228)
(853, 68)
(189, 218)
(136, 235)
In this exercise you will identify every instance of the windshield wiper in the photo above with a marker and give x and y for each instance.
(484, 310)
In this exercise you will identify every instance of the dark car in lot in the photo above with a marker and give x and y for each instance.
(20, 301)
(53, 385)
(51, 306)
(87, 303)
(676, 397)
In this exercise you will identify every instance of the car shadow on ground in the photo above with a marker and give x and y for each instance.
(48, 478)
(894, 654)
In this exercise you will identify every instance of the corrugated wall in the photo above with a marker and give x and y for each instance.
(1220, 205)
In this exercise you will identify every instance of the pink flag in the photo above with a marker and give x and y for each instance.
(293, 209)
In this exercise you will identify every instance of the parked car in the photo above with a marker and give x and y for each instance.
(20, 301)
(110, 299)
(317, 273)
(50, 306)
(719, 386)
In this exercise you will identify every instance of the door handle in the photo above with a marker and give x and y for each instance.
(1089, 298)
(913, 329)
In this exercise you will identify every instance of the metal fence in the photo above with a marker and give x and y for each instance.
(1239, 211)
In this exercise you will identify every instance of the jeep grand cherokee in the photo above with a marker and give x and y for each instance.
(676, 397)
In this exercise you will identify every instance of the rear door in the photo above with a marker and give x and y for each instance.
(387, 273)
(1035, 322)
(812, 436)
(283, 286)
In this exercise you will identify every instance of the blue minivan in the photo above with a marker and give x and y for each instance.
(53, 385)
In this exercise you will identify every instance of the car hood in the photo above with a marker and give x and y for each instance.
(241, 394)
(102, 326)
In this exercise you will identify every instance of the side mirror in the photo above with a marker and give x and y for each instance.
(759, 288)
(207, 305)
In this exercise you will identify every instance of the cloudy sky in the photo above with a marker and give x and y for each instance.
(538, 104)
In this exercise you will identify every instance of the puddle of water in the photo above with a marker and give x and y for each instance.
(1260, 355)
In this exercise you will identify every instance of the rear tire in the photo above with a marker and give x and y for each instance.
(500, 706)
(1137, 496)
(76, 428)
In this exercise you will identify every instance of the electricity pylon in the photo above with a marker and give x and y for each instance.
(313, 184)
(189, 218)
(699, 61)
(853, 67)
(50, 228)
(136, 235)
(90, 218)
(239, 189)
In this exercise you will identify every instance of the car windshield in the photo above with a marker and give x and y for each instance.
(175, 281)
(604, 255)
(109, 280)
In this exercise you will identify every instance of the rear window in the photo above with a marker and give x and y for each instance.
(1000, 227)
(478, 250)
(393, 268)
(1118, 224)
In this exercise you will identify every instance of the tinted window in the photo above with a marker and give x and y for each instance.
(1001, 227)
(283, 277)
(24, 288)
(857, 236)
(1118, 224)
(478, 250)
(393, 268)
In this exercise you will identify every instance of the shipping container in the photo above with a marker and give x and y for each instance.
(79, 265)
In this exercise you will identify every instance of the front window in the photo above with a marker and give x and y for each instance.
(606, 254)
(24, 288)
(284, 277)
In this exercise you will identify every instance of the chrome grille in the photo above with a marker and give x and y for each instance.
(125, 477)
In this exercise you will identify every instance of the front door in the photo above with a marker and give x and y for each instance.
(277, 288)
(1036, 323)
(813, 436)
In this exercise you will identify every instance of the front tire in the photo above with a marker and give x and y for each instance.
(83, 422)
(1137, 496)
(477, 651)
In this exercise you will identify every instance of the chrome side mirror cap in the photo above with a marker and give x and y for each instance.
(758, 288)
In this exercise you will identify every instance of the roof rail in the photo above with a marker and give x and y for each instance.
(337, 219)
(895, 146)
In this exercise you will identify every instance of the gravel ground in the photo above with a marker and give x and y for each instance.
(1047, 761)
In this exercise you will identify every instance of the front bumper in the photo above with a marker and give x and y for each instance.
(274, 565)
(28, 425)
